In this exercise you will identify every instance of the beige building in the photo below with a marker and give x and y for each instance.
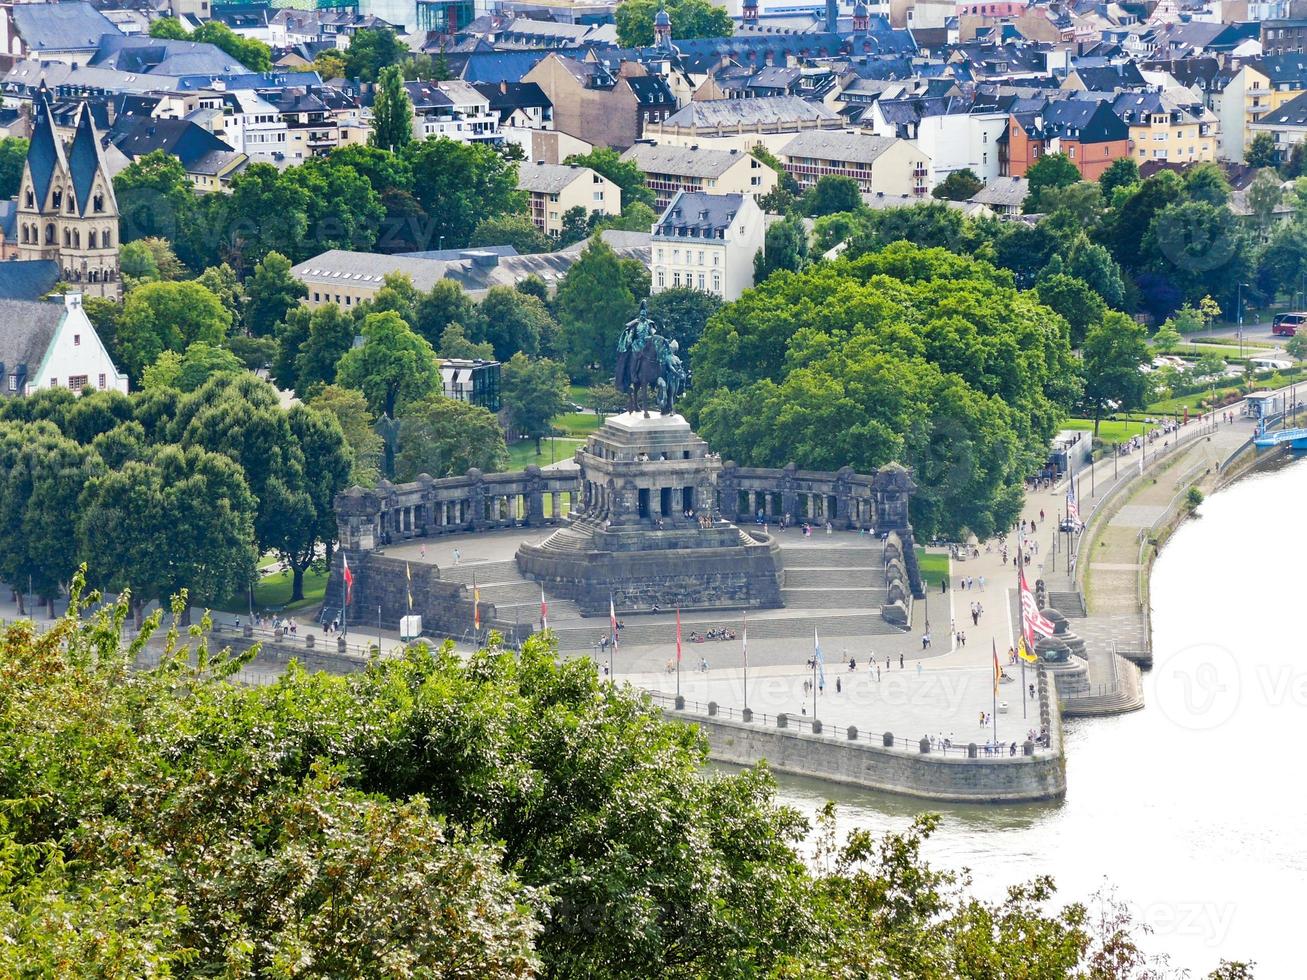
(742, 124)
(880, 164)
(556, 188)
(670, 169)
(599, 106)
(1173, 125)
(1258, 87)
(67, 212)
(707, 242)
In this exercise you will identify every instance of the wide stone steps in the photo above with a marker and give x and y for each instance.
(486, 573)
(800, 629)
(1067, 603)
(833, 557)
(832, 598)
(510, 593)
(818, 578)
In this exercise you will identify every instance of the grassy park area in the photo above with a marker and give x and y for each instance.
(1110, 431)
(272, 591)
(933, 565)
(522, 454)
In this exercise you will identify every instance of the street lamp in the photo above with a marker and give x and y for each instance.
(1239, 307)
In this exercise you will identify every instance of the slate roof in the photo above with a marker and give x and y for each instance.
(29, 326)
(505, 97)
(853, 147)
(495, 66)
(68, 26)
(136, 136)
(1087, 122)
(651, 90)
(548, 178)
(84, 160)
(1108, 78)
(1292, 114)
(697, 214)
(45, 152)
(682, 160)
(730, 112)
(1003, 192)
(1289, 70)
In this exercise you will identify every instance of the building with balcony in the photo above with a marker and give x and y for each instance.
(879, 164)
(1287, 125)
(1173, 125)
(472, 381)
(452, 109)
(707, 242)
(668, 170)
(556, 188)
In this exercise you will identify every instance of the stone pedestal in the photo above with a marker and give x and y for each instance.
(647, 532)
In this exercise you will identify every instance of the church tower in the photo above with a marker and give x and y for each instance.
(67, 211)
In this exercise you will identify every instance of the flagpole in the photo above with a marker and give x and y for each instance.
(993, 646)
(1023, 687)
(678, 651)
(746, 659)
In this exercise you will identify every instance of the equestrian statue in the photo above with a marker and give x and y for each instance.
(648, 361)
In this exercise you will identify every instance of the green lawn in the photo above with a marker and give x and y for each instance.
(523, 453)
(933, 566)
(1110, 431)
(1229, 342)
(1220, 350)
(272, 592)
(576, 423)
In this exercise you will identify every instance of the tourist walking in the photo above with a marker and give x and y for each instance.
(901, 655)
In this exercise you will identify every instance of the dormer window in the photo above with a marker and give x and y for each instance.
(58, 199)
(99, 203)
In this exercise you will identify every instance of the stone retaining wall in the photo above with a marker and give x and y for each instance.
(932, 776)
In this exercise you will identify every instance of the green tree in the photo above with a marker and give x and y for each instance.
(342, 209)
(183, 520)
(690, 19)
(249, 51)
(682, 314)
(534, 392)
(459, 185)
(1077, 303)
(392, 112)
(1265, 194)
(188, 370)
(1114, 351)
(1167, 338)
(511, 229)
(155, 199)
(591, 300)
(785, 246)
(393, 365)
(928, 225)
(1123, 172)
(370, 50)
(330, 64)
(446, 437)
(169, 28)
(270, 293)
(576, 226)
(446, 303)
(514, 322)
(959, 185)
(1206, 182)
(454, 343)
(44, 471)
(356, 424)
(1092, 264)
(635, 217)
(626, 174)
(331, 333)
(831, 194)
(13, 156)
(1297, 346)
(1261, 151)
(221, 280)
(1050, 170)
(161, 316)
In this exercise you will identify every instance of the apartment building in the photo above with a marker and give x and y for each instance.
(879, 164)
(669, 169)
(556, 188)
(707, 242)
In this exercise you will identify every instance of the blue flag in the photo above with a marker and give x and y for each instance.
(817, 659)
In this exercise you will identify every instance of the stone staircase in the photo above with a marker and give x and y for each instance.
(833, 578)
(1067, 603)
(1126, 695)
(515, 598)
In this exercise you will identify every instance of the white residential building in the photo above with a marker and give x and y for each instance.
(707, 242)
(53, 345)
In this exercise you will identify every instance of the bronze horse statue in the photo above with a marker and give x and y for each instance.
(638, 372)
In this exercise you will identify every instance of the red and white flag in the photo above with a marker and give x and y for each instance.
(612, 620)
(476, 605)
(1033, 620)
(349, 578)
(544, 610)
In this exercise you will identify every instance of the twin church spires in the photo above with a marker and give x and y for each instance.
(66, 206)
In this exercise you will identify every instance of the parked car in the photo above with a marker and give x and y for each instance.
(1287, 324)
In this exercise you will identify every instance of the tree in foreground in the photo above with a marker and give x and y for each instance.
(1114, 351)
(392, 366)
(831, 194)
(507, 816)
(1261, 151)
(1051, 170)
(392, 112)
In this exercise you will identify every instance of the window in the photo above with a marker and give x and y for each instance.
(98, 203)
(102, 380)
(716, 283)
(29, 199)
(676, 279)
(701, 280)
(54, 382)
(716, 258)
(662, 280)
(77, 340)
(701, 256)
(316, 298)
(77, 382)
(13, 382)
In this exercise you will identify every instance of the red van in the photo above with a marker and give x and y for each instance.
(1287, 324)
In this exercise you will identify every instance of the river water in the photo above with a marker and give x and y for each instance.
(1194, 809)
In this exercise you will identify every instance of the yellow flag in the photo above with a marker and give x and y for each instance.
(1024, 653)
